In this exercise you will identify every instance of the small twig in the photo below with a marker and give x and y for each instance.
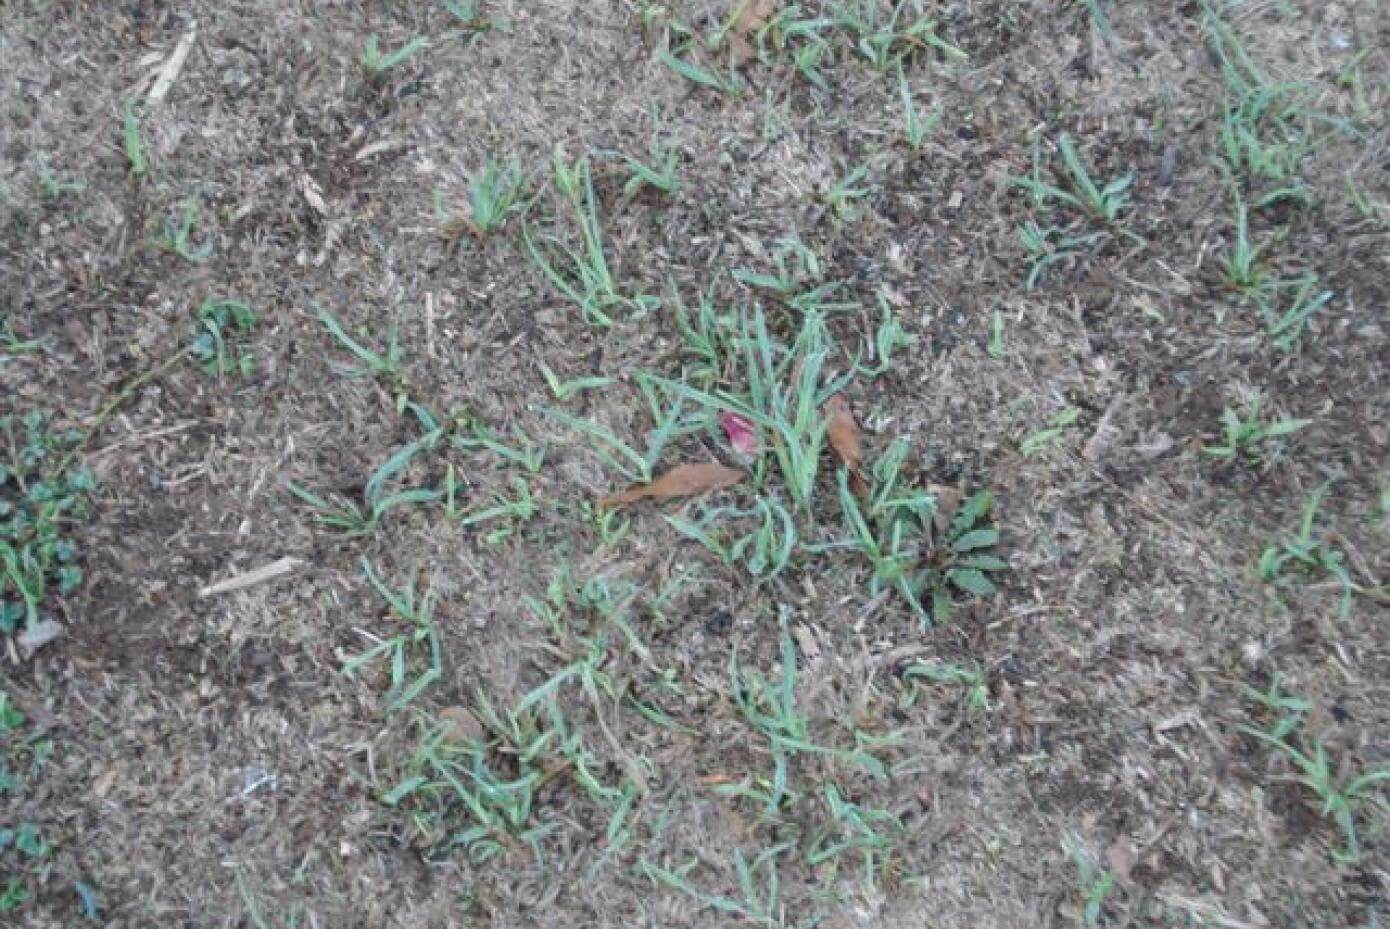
(98, 419)
(251, 578)
(172, 66)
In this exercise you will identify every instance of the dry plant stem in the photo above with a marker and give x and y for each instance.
(96, 420)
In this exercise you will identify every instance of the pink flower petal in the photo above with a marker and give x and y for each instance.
(740, 432)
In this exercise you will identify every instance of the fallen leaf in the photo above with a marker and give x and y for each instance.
(460, 725)
(806, 641)
(681, 481)
(843, 431)
(1119, 857)
(752, 15)
(947, 503)
(742, 436)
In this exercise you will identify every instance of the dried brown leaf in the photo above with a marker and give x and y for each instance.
(681, 481)
(843, 431)
(1119, 857)
(460, 724)
(752, 15)
(948, 501)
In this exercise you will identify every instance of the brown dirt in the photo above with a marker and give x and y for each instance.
(1116, 656)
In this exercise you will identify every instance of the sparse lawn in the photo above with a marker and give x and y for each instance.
(748, 463)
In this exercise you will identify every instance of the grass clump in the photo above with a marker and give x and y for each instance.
(212, 344)
(759, 885)
(179, 233)
(769, 706)
(418, 644)
(896, 529)
(1244, 434)
(494, 194)
(1343, 795)
(1309, 553)
(377, 64)
(1105, 201)
(583, 276)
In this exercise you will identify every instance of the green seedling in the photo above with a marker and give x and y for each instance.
(1289, 709)
(1256, 139)
(1244, 270)
(338, 514)
(53, 187)
(765, 551)
(1286, 328)
(1096, 882)
(418, 643)
(610, 523)
(133, 142)
(700, 76)
(1343, 796)
(1049, 246)
(660, 173)
(794, 268)
(996, 336)
(217, 321)
(617, 454)
(758, 881)
(563, 390)
(785, 388)
(587, 281)
(1240, 72)
(386, 367)
(1243, 435)
(12, 344)
(888, 338)
(1310, 553)
(525, 453)
(468, 15)
(885, 42)
(1102, 202)
(41, 505)
(494, 194)
(1050, 435)
(886, 543)
(518, 510)
(959, 561)
(1102, 22)
(377, 64)
(770, 708)
(843, 193)
(916, 127)
(807, 58)
(870, 832)
(945, 674)
(178, 233)
(709, 336)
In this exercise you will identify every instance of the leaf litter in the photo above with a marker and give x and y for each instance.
(686, 480)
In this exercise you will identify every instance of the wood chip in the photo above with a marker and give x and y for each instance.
(1104, 435)
(251, 578)
(169, 72)
(37, 635)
